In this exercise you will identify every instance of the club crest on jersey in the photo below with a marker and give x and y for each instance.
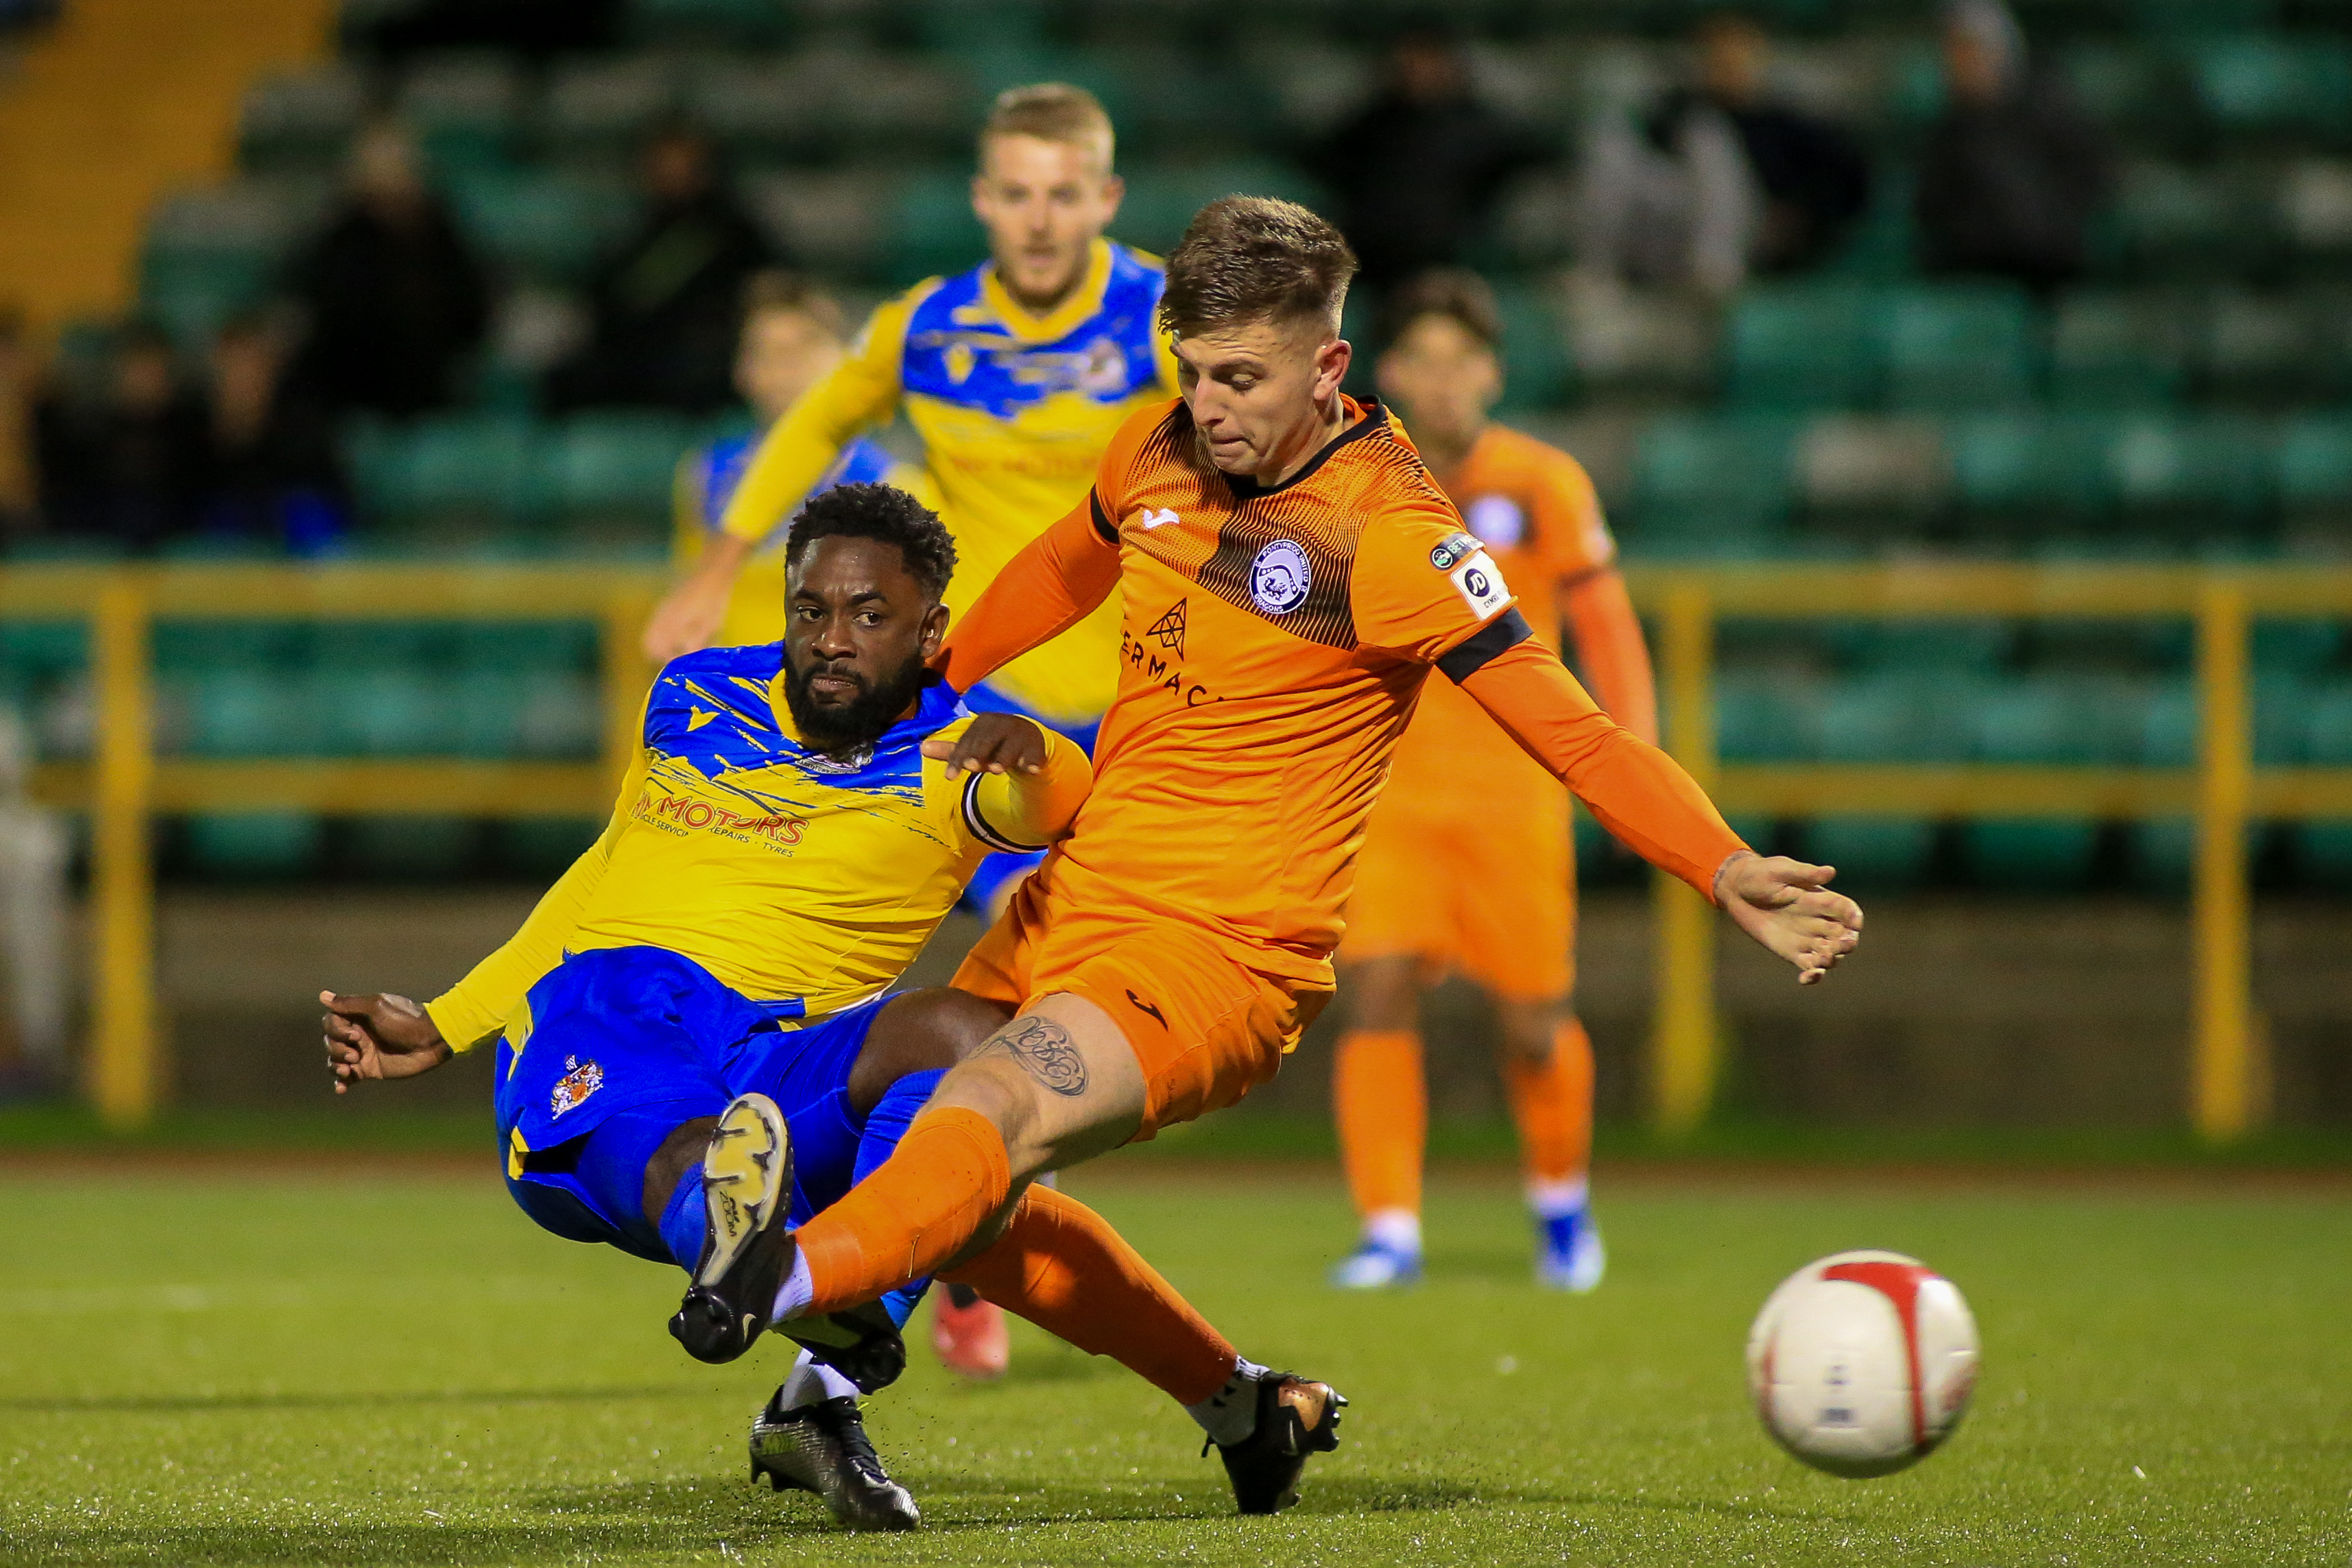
(1457, 547)
(1280, 578)
(1497, 520)
(582, 1079)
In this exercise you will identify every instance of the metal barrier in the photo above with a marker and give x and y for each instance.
(126, 784)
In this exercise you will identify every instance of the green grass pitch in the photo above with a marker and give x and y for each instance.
(224, 1368)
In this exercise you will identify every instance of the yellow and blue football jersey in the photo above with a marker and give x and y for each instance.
(804, 883)
(1014, 411)
(707, 480)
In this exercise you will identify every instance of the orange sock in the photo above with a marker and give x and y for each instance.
(1382, 1106)
(1061, 1266)
(916, 1212)
(1551, 1100)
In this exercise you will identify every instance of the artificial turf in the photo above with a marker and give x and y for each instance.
(211, 1366)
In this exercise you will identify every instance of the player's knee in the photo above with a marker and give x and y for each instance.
(996, 1088)
(1385, 994)
(677, 1154)
(1530, 1030)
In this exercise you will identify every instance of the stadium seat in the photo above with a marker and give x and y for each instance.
(2114, 350)
(686, 24)
(1958, 647)
(209, 253)
(542, 847)
(598, 110)
(2172, 222)
(1537, 371)
(1799, 347)
(1766, 715)
(1950, 347)
(465, 472)
(1712, 485)
(2273, 85)
(421, 847)
(1875, 480)
(255, 846)
(832, 221)
(300, 121)
(2132, 89)
(758, 108)
(2045, 719)
(540, 227)
(2026, 478)
(1162, 197)
(2206, 479)
(2315, 473)
(465, 108)
(2267, 349)
(1872, 852)
(610, 477)
(931, 229)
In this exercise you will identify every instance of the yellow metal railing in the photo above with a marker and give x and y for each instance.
(125, 783)
(2223, 792)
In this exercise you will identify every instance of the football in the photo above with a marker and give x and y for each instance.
(1862, 1362)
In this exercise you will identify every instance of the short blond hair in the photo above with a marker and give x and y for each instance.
(1052, 112)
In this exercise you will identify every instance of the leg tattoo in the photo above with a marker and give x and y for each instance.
(1043, 1049)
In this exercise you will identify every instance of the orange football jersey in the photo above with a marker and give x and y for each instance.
(1271, 645)
(1533, 508)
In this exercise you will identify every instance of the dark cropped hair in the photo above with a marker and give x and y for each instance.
(1455, 293)
(886, 514)
(1246, 259)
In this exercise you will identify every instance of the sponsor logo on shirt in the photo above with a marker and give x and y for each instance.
(686, 812)
(1160, 671)
(1457, 547)
(1158, 518)
(1480, 584)
(1169, 630)
(581, 1081)
(1280, 578)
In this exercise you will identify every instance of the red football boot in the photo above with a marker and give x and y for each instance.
(970, 1333)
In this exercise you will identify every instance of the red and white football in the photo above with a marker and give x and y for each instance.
(1862, 1362)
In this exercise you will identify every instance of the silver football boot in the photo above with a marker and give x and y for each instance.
(822, 1448)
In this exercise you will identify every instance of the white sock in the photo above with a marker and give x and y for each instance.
(799, 1289)
(1230, 1414)
(1558, 1199)
(812, 1383)
(1398, 1229)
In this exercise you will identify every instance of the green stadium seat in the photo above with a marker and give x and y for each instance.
(405, 848)
(2029, 476)
(2129, 87)
(253, 845)
(1974, 646)
(2298, 648)
(1913, 716)
(1950, 347)
(610, 476)
(540, 227)
(759, 108)
(2274, 85)
(893, 109)
(2207, 478)
(969, 25)
(1877, 481)
(831, 221)
(541, 714)
(467, 109)
(1712, 485)
(1884, 244)
(475, 471)
(1797, 346)
(600, 110)
(2046, 720)
(1872, 852)
(2172, 222)
(1766, 715)
(1538, 373)
(250, 711)
(302, 120)
(2313, 455)
(2266, 349)
(1161, 198)
(2115, 350)
(931, 230)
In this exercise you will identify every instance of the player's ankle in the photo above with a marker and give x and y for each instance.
(1230, 1414)
(1395, 1230)
(798, 1292)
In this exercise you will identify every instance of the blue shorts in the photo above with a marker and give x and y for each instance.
(639, 1040)
(1001, 868)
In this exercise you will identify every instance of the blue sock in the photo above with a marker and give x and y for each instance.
(683, 1219)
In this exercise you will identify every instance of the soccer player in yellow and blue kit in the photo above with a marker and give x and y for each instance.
(1014, 375)
(780, 852)
(793, 336)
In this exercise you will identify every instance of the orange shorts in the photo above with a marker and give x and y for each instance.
(1489, 893)
(1206, 1028)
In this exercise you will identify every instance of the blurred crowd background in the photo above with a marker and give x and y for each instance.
(1808, 278)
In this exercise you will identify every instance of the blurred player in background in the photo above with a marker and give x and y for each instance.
(1467, 863)
(793, 335)
(1014, 374)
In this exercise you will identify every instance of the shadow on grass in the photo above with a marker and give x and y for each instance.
(188, 1404)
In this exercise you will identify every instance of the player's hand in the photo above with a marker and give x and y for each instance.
(687, 617)
(992, 743)
(379, 1036)
(1787, 906)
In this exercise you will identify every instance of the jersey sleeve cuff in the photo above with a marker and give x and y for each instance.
(1481, 647)
(462, 1025)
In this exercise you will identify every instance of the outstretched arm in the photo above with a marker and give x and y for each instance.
(1022, 783)
(1644, 797)
(1610, 649)
(1048, 588)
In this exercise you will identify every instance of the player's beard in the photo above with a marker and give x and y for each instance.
(843, 728)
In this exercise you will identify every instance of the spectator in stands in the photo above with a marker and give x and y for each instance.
(395, 299)
(665, 304)
(271, 473)
(18, 496)
(1718, 180)
(124, 464)
(1417, 172)
(2012, 170)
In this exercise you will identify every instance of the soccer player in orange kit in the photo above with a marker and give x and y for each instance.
(1498, 905)
(1289, 574)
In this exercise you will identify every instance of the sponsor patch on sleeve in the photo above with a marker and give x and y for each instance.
(1480, 584)
(1457, 548)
